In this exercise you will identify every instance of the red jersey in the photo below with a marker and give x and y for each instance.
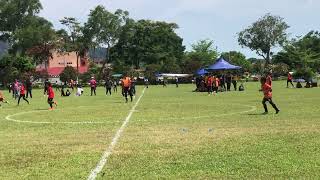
(93, 83)
(22, 90)
(210, 81)
(217, 82)
(50, 93)
(126, 82)
(269, 80)
(266, 89)
(289, 77)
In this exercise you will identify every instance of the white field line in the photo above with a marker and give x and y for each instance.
(108, 151)
(10, 118)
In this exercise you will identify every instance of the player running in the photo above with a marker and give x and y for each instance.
(289, 80)
(126, 83)
(51, 96)
(2, 99)
(267, 91)
(22, 94)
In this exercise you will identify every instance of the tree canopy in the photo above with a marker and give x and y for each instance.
(263, 35)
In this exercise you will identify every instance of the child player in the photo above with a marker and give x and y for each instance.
(2, 99)
(51, 96)
(126, 83)
(267, 91)
(22, 94)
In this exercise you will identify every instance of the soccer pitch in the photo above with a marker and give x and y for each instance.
(171, 133)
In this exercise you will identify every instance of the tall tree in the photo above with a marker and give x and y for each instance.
(13, 14)
(105, 28)
(238, 59)
(263, 35)
(36, 39)
(302, 52)
(204, 52)
(76, 39)
(147, 42)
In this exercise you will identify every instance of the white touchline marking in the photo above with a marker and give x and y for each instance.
(10, 118)
(108, 151)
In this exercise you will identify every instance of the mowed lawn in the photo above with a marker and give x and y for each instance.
(173, 134)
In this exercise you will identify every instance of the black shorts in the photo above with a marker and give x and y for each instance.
(50, 100)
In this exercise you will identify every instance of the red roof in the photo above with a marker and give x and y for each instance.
(56, 71)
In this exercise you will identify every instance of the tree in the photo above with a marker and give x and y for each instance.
(105, 28)
(263, 35)
(204, 52)
(13, 67)
(148, 42)
(37, 39)
(13, 15)
(69, 73)
(301, 52)
(237, 58)
(77, 39)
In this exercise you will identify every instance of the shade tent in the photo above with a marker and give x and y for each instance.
(222, 64)
(166, 75)
(201, 72)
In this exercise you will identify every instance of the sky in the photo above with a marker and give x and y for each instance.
(218, 20)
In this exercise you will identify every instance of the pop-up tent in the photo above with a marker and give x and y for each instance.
(168, 75)
(222, 64)
(201, 72)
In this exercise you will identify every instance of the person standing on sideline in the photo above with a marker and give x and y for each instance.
(228, 81)
(93, 85)
(209, 84)
(115, 86)
(146, 82)
(164, 84)
(22, 94)
(177, 81)
(46, 87)
(51, 96)
(126, 83)
(267, 92)
(108, 86)
(223, 83)
(289, 80)
(133, 86)
(234, 82)
(29, 88)
(269, 79)
(16, 89)
(216, 84)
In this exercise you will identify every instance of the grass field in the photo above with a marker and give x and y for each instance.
(173, 134)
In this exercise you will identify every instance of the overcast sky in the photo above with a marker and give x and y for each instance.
(219, 20)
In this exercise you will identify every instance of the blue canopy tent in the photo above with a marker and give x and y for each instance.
(222, 64)
(201, 72)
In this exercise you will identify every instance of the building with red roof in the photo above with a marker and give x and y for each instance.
(59, 61)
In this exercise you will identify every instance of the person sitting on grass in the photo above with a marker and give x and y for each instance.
(267, 92)
(2, 99)
(22, 94)
(51, 96)
(79, 90)
(68, 93)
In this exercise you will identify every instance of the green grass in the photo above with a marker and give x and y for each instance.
(173, 134)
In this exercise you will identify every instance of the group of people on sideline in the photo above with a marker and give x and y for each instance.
(217, 83)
